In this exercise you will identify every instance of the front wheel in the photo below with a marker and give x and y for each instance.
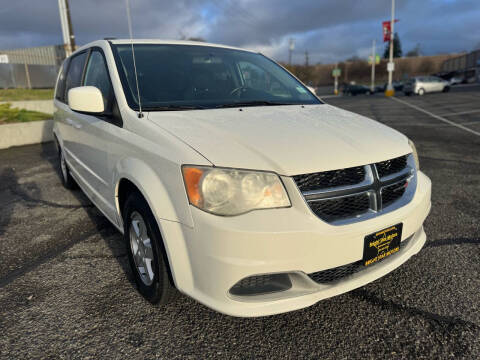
(421, 92)
(146, 253)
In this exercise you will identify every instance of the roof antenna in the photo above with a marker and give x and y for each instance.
(140, 114)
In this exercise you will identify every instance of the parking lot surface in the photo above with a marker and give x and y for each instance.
(66, 290)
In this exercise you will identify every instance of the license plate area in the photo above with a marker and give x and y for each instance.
(382, 244)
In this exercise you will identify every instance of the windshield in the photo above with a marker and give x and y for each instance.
(175, 77)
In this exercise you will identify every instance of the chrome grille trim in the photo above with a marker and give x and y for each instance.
(341, 190)
(372, 185)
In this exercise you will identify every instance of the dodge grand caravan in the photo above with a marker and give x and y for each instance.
(230, 180)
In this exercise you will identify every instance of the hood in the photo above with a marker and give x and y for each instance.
(288, 140)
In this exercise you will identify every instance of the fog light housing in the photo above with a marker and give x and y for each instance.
(261, 284)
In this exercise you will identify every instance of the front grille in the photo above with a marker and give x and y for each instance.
(393, 192)
(340, 208)
(328, 179)
(340, 272)
(331, 275)
(392, 166)
(356, 193)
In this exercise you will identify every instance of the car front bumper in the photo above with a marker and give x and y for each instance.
(211, 257)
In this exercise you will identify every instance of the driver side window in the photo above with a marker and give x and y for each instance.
(97, 75)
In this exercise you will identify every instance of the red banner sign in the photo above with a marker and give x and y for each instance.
(387, 31)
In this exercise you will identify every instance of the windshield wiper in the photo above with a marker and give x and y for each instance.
(253, 103)
(173, 107)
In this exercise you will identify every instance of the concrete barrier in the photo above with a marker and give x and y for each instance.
(26, 133)
(45, 106)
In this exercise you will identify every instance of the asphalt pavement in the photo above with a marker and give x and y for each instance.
(66, 290)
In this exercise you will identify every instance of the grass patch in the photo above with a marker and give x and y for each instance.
(26, 94)
(13, 115)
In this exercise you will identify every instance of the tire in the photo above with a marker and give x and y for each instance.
(421, 91)
(67, 179)
(446, 89)
(146, 252)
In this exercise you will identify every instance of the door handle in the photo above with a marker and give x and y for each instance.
(73, 123)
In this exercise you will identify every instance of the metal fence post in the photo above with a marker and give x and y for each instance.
(27, 74)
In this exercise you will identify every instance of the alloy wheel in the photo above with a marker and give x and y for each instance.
(141, 248)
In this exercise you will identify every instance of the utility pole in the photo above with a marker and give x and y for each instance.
(335, 76)
(67, 29)
(374, 58)
(291, 47)
(390, 66)
(306, 57)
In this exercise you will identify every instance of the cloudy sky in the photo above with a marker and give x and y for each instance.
(330, 30)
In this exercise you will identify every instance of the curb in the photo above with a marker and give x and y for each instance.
(26, 133)
(45, 106)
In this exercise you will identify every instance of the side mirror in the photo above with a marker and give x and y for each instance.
(86, 99)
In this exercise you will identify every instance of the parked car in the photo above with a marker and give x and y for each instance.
(397, 86)
(380, 88)
(229, 180)
(421, 85)
(456, 80)
(353, 89)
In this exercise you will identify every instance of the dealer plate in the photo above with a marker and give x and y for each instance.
(381, 244)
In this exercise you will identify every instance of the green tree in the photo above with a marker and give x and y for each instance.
(416, 51)
(397, 48)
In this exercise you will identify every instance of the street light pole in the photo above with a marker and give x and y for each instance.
(291, 47)
(335, 85)
(374, 58)
(390, 67)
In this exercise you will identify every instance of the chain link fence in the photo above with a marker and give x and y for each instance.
(30, 68)
(27, 76)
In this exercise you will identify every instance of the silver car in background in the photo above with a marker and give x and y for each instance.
(421, 85)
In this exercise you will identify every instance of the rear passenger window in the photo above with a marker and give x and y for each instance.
(60, 91)
(75, 71)
(97, 75)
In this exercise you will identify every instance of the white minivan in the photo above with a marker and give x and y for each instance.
(421, 85)
(231, 182)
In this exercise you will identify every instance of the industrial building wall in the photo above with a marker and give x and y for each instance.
(463, 62)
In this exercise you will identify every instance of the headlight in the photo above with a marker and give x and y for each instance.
(224, 191)
(415, 155)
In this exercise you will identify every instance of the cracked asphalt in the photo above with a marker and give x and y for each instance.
(66, 290)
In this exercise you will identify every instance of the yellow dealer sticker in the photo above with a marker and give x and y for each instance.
(381, 244)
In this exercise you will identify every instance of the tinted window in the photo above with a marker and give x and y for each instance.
(257, 78)
(96, 75)
(75, 71)
(205, 77)
(60, 91)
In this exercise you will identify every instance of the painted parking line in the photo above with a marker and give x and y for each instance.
(436, 116)
(461, 113)
(328, 96)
